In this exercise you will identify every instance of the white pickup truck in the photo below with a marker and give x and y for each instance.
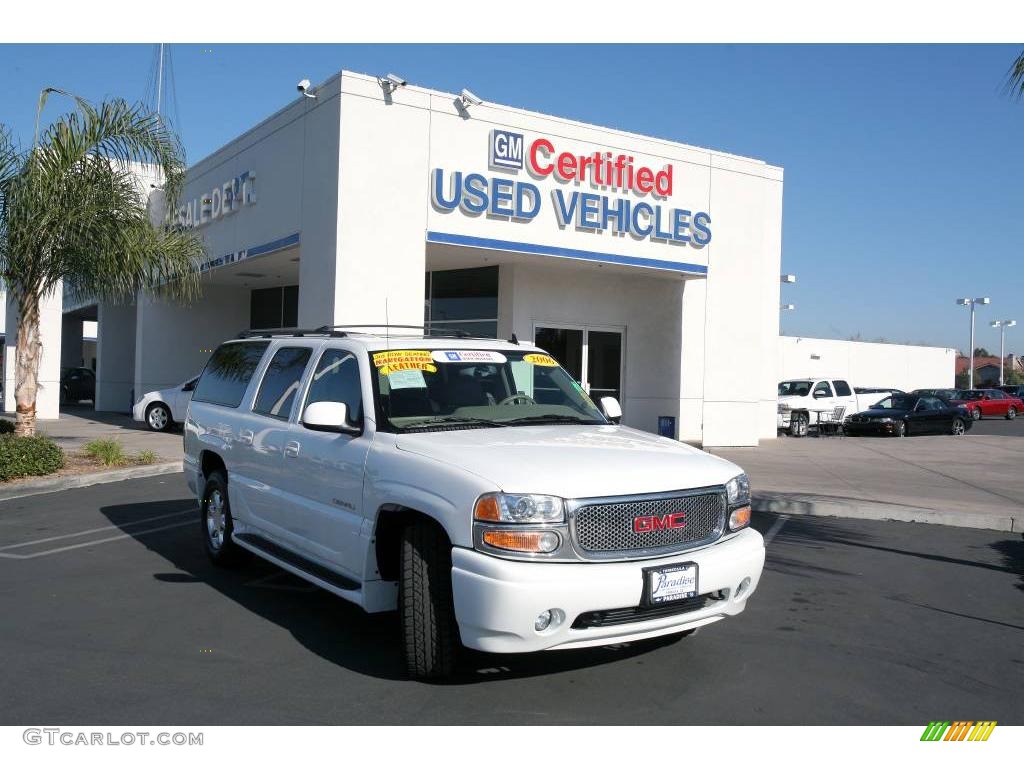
(803, 402)
(471, 484)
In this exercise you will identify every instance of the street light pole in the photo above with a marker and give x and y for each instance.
(972, 303)
(1002, 325)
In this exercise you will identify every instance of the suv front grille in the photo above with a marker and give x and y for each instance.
(608, 527)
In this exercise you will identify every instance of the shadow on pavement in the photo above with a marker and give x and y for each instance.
(332, 628)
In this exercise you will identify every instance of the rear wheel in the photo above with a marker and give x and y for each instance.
(217, 523)
(958, 427)
(798, 425)
(429, 632)
(899, 429)
(976, 413)
(1011, 413)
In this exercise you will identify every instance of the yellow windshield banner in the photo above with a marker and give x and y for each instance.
(535, 359)
(404, 360)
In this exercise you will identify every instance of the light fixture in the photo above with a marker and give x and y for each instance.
(788, 278)
(969, 302)
(391, 82)
(467, 98)
(1002, 325)
(786, 307)
(303, 87)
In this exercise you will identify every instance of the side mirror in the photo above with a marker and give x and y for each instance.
(819, 394)
(611, 409)
(329, 417)
(189, 385)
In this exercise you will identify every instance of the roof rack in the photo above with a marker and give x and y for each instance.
(441, 332)
(267, 333)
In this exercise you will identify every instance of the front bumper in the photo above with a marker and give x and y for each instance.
(782, 420)
(869, 428)
(497, 601)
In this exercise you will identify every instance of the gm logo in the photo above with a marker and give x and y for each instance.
(506, 149)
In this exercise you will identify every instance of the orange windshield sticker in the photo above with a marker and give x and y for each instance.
(535, 359)
(404, 360)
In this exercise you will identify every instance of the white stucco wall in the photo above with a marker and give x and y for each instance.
(867, 364)
(115, 356)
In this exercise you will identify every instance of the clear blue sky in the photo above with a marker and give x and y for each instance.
(904, 164)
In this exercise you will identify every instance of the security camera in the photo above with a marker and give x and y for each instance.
(303, 87)
(391, 82)
(468, 97)
(398, 80)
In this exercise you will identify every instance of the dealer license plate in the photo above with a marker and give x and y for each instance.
(672, 582)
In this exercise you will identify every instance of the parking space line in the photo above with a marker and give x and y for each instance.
(776, 527)
(98, 530)
(13, 556)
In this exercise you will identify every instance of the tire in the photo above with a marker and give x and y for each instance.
(958, 428)
(798, 425)
(158, 417)
(1011, 413)
(900, 429)
(976, 414)
(216, 524)
(427, 609)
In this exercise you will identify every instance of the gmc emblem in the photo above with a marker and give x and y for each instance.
(649, 523)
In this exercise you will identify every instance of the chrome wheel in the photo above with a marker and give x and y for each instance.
(976, 414)
(1011, 413)
(215, 520)
(158, 418)
(958, 427)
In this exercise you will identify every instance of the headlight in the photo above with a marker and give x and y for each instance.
(738, 490)
(519, 508)
(882, 420)
(785, 407)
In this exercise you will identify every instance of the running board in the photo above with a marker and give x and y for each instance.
(295, 562)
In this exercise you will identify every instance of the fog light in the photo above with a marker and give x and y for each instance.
(742, 588)
(543, 621)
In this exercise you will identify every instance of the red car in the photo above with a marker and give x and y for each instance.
(988, 402)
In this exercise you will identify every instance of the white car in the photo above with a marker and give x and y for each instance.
(472, 485)
(163, 408)
(807, 402)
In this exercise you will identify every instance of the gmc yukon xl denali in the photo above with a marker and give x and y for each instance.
(471, 484)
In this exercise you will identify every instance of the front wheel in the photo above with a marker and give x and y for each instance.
(1011, 413)
(959, 427)
(900, 429)
(976, 413)
(429, 632)
(158, 417)
(798, 425)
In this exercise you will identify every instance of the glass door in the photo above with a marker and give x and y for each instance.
(597, 352)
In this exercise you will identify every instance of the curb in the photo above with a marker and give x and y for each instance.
(836, 506)
(53, 484)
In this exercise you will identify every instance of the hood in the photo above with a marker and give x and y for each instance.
(573, 461)
(793, 398)
(895, 413)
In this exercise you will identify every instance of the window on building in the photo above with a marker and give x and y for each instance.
(462, 300)
(281, 382)
(227, 375)
(336, 380)
(274, 307)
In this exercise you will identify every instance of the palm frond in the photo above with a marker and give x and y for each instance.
(1015, 77)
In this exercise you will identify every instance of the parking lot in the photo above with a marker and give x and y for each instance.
(111, 613)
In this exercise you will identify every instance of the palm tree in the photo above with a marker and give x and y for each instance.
(1015, 77)
(73, 213)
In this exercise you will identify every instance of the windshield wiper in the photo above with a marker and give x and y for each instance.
(453, 420)
(552, 418)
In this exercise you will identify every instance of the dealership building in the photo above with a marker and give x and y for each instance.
(649, 268)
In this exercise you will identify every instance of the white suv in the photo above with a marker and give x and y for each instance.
(470, 484)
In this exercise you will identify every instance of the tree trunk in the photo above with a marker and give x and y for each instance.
(26, 371)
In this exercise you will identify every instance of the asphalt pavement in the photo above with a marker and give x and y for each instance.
(111, 613)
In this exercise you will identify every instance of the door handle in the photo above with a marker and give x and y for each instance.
(245, 436)
(291, 448)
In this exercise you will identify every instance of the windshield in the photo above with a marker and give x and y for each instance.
(898, 402)
(795, 388)
(424, 390)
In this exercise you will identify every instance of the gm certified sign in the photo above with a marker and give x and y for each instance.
(506, 149)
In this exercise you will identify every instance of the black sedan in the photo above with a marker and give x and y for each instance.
(77, 384)
(909, 414)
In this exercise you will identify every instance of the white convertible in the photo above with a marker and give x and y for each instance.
(161, 409)
(472, 485)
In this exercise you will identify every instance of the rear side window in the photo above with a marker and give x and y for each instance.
(822, 387)
(227, 375)
(281, 382)
(842, 388)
